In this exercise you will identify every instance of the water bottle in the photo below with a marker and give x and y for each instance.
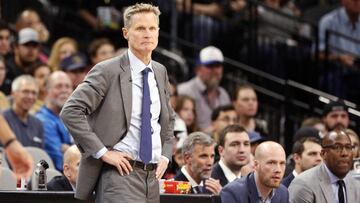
(39, 178)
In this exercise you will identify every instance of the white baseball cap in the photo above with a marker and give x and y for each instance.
(210, 55)
(28, 35)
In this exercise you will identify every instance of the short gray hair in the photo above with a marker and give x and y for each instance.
(140, 8)
(195, 138)
(16, 84)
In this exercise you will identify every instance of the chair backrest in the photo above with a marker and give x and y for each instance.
(7, 179)
(39, 154)
(51, 173)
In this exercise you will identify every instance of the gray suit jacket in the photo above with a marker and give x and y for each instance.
(314, 185)
(98, 115)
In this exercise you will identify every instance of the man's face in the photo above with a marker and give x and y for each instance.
(142, 33)
(4, 42)
(41, 74)
(200, 162)
(336, 120)
(224, 119)
(270, 168)
(310, 157)
(236, 150)
(211, 75)
(25, 96)
(60, 89)
(246, 103)
(104, 52)
(28, 53)
(355, 143)
(337, 154)
(71, 169)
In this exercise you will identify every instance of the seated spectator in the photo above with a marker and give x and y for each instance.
(40, 73)
(234, 150)
(306, 154)
(67, 182)
(205, 87)
(76, 67)
(56, 137)
(26, 54)
(27, 128)
(246, 105)
(263, 185)
(185, 109)
(354, 141)
(255, 140)
(315, 122)
(329, 181)
(5, 43)
(344, 20)
(335, 115)
(222, 117)
(100, 50)
(62, 48)
(198, 153)
(30, 18)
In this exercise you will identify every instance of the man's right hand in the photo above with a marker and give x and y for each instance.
(118, 159)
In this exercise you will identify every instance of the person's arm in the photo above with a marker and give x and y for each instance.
(20, 160)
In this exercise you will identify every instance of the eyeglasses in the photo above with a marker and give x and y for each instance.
(339, 148)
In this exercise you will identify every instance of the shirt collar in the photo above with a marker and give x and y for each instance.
(333, 178)
(193, 183)
(295, 173)
(136, 64)
(230, 176)
(271, 195)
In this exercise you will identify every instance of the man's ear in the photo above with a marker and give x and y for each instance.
(296, 157)
(221, 150)
(125, 33)
(187, 158)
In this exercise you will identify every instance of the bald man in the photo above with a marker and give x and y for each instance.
(262, 185)
(329, 181)
(67, 182)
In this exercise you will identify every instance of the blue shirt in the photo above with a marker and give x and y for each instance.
(29, 133)
(55, 134)
(339, 21)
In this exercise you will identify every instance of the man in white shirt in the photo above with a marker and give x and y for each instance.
(198, 152)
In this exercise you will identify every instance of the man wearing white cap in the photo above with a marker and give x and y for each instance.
(26, 53)
(204, 88)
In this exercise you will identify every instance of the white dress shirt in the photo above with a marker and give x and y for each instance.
(230, 176)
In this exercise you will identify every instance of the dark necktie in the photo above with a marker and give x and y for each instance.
(145, 139)
(341, 191)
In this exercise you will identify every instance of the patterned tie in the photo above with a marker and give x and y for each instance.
(341, 191)
(145, 139)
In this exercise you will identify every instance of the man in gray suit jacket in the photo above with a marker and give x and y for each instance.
(106, 117)
(329, 182)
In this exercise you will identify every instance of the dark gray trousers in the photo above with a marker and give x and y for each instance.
(138, 187)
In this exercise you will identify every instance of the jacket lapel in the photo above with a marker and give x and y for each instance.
(325, 184)
(125, 87)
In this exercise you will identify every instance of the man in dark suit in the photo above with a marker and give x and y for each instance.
(234, 149)
(306, 154)
(121, 119)
(198, 153)
(67, 182)
(263, 185)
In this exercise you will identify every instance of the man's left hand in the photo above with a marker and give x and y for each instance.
(161, 167)
(213, 186)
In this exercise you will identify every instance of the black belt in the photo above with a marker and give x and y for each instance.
(143, 166)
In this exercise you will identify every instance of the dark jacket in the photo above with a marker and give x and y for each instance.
(244, 190)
